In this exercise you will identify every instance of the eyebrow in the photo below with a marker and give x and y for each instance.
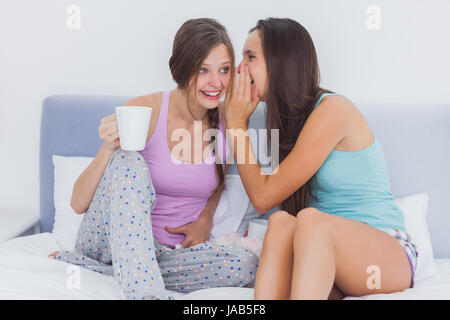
(228, 62)
(249, 51)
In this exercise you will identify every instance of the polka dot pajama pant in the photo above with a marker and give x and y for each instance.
(115, 238)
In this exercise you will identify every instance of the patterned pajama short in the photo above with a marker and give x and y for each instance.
(408, 246)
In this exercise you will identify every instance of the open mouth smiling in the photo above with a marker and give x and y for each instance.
(212, 95)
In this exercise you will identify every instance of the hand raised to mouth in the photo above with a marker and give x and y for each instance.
(242, 101)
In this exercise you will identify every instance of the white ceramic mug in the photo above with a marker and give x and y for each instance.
(257, 228)
(133, 123)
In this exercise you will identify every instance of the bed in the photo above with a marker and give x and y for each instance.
(414, 138)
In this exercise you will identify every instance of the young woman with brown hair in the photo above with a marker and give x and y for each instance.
(339, 231)
(149, 213)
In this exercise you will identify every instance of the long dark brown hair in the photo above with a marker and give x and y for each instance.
(293, 88)
(192, 44)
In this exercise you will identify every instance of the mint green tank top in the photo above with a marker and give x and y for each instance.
(355, 185)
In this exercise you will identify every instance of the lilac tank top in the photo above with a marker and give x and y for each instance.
(182, 189)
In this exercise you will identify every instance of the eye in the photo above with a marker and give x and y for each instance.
(225, 70)
(250, 57)
(203, 70)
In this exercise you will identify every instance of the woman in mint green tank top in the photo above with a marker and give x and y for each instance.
(339, 232)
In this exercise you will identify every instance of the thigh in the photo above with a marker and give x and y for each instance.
(368, 261)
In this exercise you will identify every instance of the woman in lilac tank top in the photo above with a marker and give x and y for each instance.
(150, 217)
(187, 183)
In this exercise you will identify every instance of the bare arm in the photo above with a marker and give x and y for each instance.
(210, 207)
(321, 133)
(87, 183)
(323, 130)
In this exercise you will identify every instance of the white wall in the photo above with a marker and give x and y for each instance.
(123, 47)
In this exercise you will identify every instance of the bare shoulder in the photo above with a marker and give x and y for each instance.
(332, 109)
(149, 100)
(340, 112)
(336, 109)
(152, 100)
(331, 121)
(336, 104)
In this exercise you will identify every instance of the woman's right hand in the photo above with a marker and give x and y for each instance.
(109, 132)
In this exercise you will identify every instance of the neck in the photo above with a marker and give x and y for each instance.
(189, 109)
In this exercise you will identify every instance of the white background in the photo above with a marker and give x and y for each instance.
(123, 48)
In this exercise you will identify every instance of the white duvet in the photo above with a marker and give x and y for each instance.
(27, 273)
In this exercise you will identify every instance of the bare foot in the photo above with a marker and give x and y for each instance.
(53, 254)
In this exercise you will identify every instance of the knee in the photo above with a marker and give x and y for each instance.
(280, 220)
(129, 165)
(311, 220)
(123, 156)
(281, 227)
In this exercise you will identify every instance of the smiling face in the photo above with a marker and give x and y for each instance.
(213, 78)
(253, 57)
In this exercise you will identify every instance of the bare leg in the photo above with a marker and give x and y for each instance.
(330, 249)
(314, 262)
(273, 277)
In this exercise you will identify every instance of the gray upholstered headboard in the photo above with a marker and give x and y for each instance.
(415, 139)
(69, 127)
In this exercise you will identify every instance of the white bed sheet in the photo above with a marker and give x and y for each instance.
(27, 273)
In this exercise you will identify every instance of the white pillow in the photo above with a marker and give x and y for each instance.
(232, 206)
(67, 222)
(415, 210)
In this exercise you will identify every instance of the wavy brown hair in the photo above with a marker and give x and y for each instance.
(193, 42)
(293, 89)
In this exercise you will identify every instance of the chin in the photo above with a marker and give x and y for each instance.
(262, 98)
(210, 103)
(262, 95)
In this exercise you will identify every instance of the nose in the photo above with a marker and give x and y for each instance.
(214, 80)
